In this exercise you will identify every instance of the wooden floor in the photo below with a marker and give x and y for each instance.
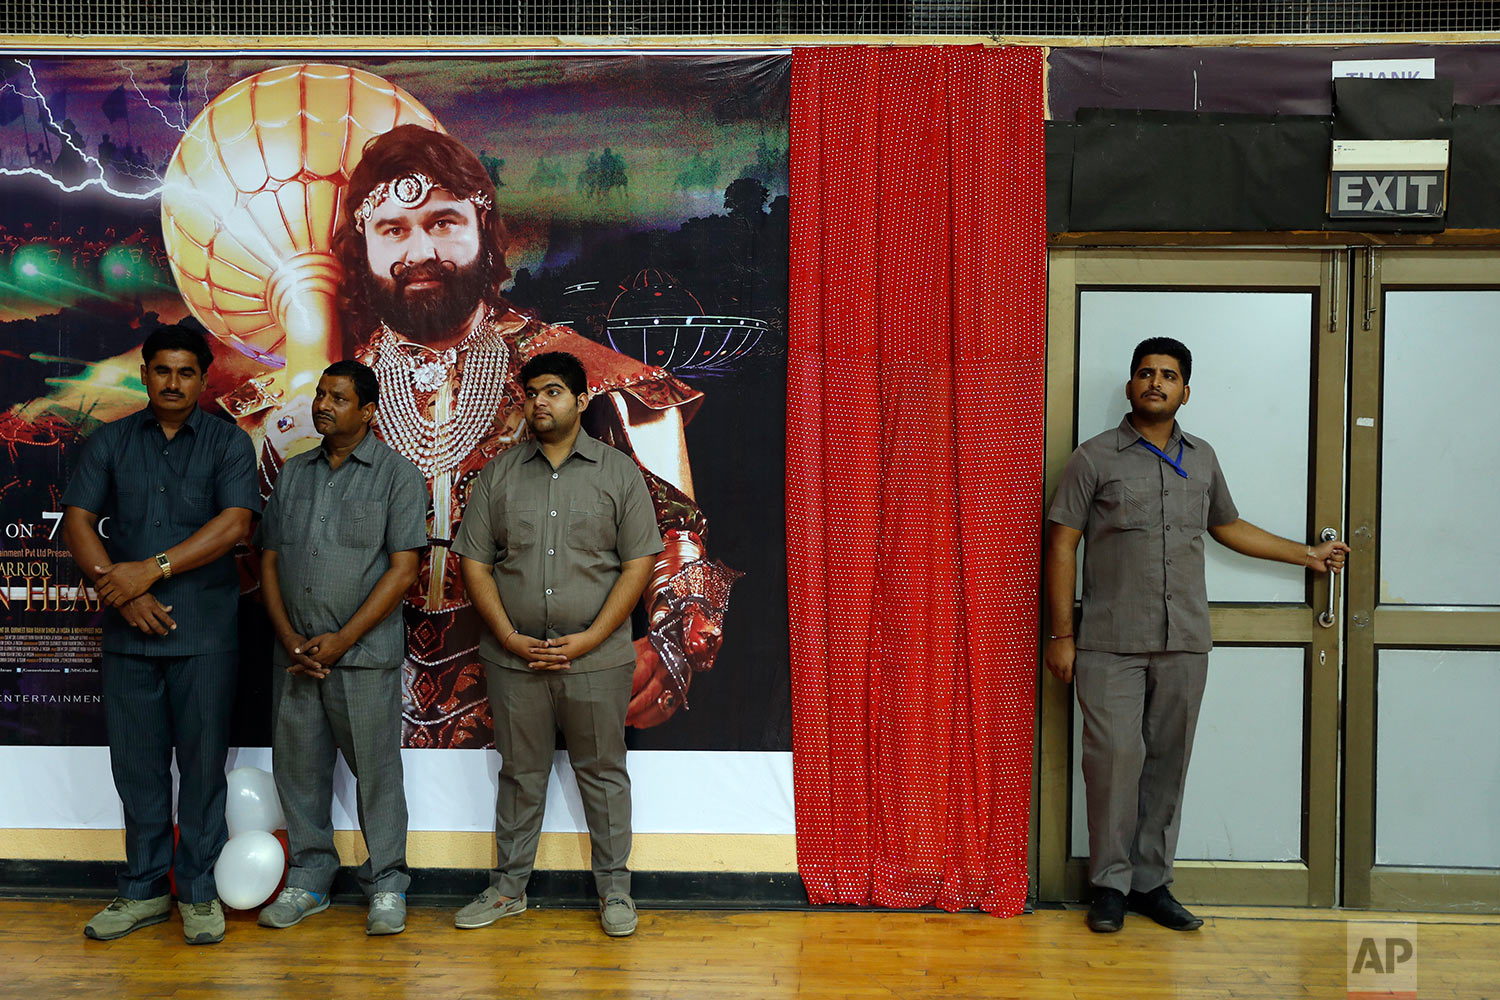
(686, 955)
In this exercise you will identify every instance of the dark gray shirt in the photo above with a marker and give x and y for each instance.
(557, 539)
(333, 532)
(1143, 524)
(156, 493)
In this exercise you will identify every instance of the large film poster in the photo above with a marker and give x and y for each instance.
(644, 203)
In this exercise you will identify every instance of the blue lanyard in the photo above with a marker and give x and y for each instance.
(1175, 463)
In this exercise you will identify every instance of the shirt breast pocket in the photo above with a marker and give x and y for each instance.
(591, 526)
(518, 526)
(1125, 505)
(129, 506)
(195, 495)
(1195, 517)
(294, 521)
(361, 524)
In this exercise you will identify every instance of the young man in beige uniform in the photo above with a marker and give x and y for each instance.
(1143, 494)
(557, 544)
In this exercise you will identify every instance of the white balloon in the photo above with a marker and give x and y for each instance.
(249, 869)
(252, 803)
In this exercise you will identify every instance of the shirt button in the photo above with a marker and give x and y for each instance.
(554, 475)
(554, 513)
(322, 517)
(549, 551)
(1169, 597)
(156, 524)
(1169, 527)
(161, 489)
(1166, 493)
(330, 484)
(164, 451)
(315, 551)
(307, 590)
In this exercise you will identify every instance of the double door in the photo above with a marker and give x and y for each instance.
(1347, 751)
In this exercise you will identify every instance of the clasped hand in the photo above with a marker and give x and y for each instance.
(316, 656)
(148, 614)
(120, 583)
(550, 654)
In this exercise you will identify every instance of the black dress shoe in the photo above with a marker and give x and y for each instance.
(1107, 911)
(1159, 905)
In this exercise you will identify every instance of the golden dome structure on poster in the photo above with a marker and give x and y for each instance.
(252, 196)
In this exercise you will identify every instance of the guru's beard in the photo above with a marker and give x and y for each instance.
(427, 314)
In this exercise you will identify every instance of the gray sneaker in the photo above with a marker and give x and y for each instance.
(123, 915)
(486, 908)
(617, 914)
(387, 913)
(291, 905)
(202, 923)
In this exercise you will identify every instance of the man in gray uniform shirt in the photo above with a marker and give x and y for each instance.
(1143, 494)
(339, 547)
(557, 543)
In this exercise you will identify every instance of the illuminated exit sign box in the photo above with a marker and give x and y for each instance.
(1388, 179)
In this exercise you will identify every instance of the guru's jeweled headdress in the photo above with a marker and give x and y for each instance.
(410, 191)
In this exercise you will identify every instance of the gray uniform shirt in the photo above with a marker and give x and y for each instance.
(156, 493)
(333, 532)
(556, 539)
(1143, 524)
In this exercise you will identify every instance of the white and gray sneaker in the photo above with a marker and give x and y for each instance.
(387, 913)
(291, 905)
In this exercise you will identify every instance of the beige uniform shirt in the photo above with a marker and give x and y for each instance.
(1143, 524)
(557, 539)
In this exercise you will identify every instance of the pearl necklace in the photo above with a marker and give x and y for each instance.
(440, 448)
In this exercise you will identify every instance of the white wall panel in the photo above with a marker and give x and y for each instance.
(1440, 450)
(1437, 758)
(673, 791)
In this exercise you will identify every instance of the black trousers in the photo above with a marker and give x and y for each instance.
(153, 705)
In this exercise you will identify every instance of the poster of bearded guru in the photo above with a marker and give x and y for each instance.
(632, 210)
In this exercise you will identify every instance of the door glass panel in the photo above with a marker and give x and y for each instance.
(1243, 800)
(1250, 399)
(1439, 448)
(1437, 758)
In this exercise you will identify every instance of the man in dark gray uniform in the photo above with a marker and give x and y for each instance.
(1143, 494)
(339, 547)
(179, 490)
(557, 542)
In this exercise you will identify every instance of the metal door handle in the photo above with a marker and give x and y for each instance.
(1327, 618)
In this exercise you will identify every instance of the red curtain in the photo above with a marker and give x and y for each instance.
(914, 469)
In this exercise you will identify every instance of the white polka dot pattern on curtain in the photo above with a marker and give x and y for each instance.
(914, 469)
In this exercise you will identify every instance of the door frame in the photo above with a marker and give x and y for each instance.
(1313, 881)
(1373, 626)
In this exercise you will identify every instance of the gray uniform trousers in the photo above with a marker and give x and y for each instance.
(150, 703)
(356, 710)
(529, 708)
(1140, 711)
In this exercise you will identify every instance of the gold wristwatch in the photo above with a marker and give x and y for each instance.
(165, 564)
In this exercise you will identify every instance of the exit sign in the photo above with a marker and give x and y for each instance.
(1388, 179)
(1387, 194)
